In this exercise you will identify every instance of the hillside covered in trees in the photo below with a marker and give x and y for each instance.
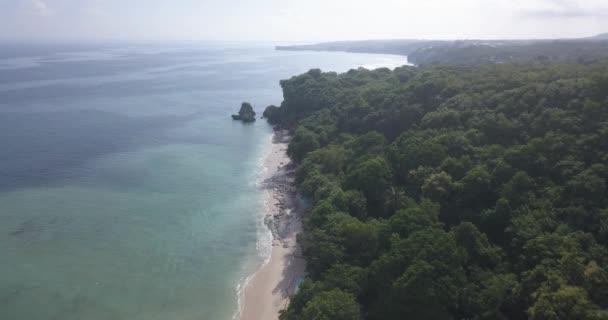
(422, 52)
(452, 192)
(465, 52)
(401, 47)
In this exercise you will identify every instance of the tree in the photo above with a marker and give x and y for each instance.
(372, 177)
(345, 277)
(415, 218)
(321, 250)
(479, 250)
(516, 191)
(510, 158)
(475, 189)
(332, 305)
(567, 302)
(426, 272)
(496, 296)
(437, 186)
(303, 142)
(596, 283)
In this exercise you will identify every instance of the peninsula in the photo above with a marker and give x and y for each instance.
(420, 52)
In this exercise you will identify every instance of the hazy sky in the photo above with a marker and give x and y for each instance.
(299, 20)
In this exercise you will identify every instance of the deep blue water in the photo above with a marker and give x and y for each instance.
(126, 192)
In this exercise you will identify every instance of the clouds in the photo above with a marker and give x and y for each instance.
(41, 8)
(566, 9)
(572, 13)
(296, 20)
(94, 11)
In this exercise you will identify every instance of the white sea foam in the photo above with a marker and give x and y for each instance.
(264, 235)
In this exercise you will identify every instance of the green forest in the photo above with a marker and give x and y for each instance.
(422, 52)
(451, 192)
(469, 52)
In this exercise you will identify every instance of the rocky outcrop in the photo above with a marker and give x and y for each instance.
(271, 113)
(246, 114)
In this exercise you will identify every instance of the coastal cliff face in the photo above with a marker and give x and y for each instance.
(272, 114)
(451, 192)
(246, 113)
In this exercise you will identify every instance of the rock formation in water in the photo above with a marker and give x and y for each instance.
(246, 114)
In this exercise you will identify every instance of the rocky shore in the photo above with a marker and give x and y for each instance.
(269, 289)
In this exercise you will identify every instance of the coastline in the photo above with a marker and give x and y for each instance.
(268, 290)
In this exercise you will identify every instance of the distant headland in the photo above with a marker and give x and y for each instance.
(421, 52)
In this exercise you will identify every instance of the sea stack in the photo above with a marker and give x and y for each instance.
(246, 114)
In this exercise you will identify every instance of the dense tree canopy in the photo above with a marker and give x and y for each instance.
(585, 50)
(452, 192)
(423, 52)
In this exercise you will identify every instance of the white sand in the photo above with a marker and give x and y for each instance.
(269, 289)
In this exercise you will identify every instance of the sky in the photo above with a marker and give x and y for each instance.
(299, 20)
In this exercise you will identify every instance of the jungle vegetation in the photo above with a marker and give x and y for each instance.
(452, 192)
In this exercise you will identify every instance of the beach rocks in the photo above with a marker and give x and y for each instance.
(246, 114)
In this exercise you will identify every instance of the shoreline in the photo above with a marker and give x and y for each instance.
(268, 290)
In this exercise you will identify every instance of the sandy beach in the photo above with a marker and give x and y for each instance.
(269, 289)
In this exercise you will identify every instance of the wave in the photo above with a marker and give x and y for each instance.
(264, 236)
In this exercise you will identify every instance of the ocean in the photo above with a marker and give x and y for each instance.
(126, 190)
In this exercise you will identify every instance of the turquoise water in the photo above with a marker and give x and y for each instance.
(126, 192)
